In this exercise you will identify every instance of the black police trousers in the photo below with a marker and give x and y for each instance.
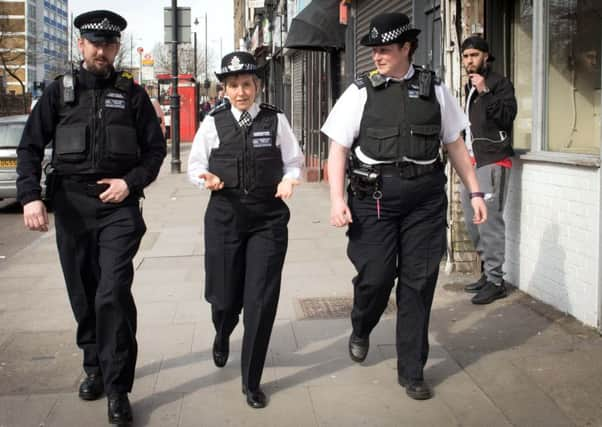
(97, 242)
(245, 244)
(407, 242)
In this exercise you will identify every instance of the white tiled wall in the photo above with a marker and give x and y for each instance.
(552, 236)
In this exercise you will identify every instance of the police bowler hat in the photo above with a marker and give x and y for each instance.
(238, 62)
(100, 26)
(389, 28)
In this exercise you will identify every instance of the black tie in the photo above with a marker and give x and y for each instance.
(245, 119)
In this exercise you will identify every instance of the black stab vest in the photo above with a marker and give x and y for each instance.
(247, 160)
(96, 133)
(398, 122)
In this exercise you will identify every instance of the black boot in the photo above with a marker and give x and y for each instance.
(256, 399)
(120, 411)
(416, 389)
(358, 348)
(92, 387)
(475, 287)
(220, 353)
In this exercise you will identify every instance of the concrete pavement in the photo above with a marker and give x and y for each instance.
(515, 362)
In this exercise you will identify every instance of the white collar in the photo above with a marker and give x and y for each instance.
(253, 111)
(408, 75)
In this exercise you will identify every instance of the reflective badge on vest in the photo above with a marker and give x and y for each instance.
(262, 139)
(413, 91)
(115, 100)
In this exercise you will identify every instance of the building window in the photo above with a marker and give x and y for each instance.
(522, 72)
(574, 38)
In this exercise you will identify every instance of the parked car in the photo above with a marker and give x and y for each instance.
(11, 129)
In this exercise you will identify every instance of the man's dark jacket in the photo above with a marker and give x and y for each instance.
(491, 118)
(44, 118)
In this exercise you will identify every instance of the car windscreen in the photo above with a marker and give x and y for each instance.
(10, 134)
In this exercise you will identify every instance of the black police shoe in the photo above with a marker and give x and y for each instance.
(220, 353)
(358, 348)
(489, 293)
(120, 411)
(416, 389)
(475, 287)
(255, 398)
(92, 387)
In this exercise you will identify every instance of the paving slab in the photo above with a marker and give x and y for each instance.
(39, 362)
(516, 362)
(27, 410)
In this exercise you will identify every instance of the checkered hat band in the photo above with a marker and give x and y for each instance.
(394, 34)
(243, 67)
(103, 25)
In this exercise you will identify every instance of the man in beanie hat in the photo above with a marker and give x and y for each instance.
(390, 124)
(491, 109)
(108, 146)
(249, 158)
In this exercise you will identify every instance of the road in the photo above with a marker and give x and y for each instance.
(13, 235)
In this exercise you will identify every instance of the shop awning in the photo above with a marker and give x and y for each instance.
(317, 27)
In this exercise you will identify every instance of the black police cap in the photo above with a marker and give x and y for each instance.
(478, 43)
(100, 25)
(389, 28)
(238, 62)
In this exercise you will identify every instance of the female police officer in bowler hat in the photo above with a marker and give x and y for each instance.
(392, 121)
(247, 155)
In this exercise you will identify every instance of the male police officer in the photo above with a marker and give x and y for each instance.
(392, 122)
(108, 146)
(491, 108)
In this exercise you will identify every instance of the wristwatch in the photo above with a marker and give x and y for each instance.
(477, 194)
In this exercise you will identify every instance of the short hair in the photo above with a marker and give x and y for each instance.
(413, 46)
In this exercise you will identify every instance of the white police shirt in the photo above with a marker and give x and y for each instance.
(207, 139)
(343, 123)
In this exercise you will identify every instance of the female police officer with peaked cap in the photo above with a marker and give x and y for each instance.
(393, 121)
(247, 155)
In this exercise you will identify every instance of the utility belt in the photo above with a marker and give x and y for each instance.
(365, 179)
(88, 186)
(408, 170)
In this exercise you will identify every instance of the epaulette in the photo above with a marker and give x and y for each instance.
(423, 69)
(225, 105)
(270, 107)
(124, 81)
(360, 82)
(427, 79)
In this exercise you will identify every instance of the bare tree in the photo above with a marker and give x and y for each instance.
(12, 48)
(163, 58)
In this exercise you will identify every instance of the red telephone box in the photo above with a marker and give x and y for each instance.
(188, 103)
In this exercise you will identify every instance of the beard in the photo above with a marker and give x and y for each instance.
(97, 69)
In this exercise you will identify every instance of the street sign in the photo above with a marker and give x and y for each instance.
(140, 50)
(147, 59)
(148, 73)
(184, 28)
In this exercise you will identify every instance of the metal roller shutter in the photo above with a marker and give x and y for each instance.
(298, 92)
(366, 10)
